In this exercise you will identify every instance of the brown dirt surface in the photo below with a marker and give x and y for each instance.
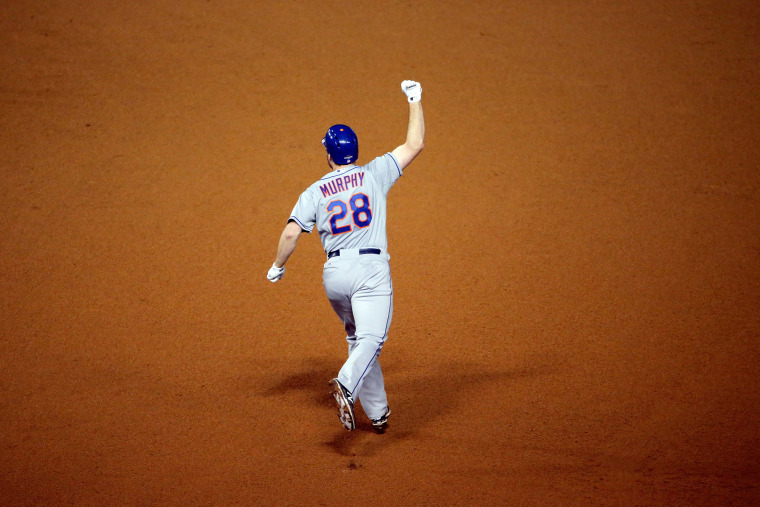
(575, 255)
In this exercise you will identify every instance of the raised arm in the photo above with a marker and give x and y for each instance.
(415, 132)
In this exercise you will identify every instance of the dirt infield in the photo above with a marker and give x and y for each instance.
(575, 255)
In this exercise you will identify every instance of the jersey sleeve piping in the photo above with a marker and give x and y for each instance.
(301, 224)
(398, 167)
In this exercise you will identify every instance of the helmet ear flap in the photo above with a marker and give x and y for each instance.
(341, 144)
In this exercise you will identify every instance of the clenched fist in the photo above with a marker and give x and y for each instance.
(275, 273)
(412, 90)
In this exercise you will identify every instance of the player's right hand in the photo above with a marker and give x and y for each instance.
(275, 273)
(412, 90)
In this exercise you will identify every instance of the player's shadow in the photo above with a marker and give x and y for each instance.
(312, 381)
(418, 402)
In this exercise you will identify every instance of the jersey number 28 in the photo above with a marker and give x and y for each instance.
(360, 213)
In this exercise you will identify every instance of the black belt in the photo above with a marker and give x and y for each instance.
(362, 251)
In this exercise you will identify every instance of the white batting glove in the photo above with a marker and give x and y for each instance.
(412, 90)
(275, 273)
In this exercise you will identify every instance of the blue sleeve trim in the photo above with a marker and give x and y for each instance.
(400, 173)
(301, 224)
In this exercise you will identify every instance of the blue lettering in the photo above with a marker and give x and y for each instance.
(341, 184)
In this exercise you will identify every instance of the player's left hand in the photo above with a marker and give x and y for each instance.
(275, 273)
(412, 90)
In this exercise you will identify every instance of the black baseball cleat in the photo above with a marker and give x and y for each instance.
(345, 404)
(382, 422)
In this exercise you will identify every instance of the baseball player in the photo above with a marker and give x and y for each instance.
(348, 208)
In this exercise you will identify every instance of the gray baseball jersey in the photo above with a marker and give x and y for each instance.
(348, 205)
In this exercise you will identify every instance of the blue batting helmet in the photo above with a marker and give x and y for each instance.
(341, 144)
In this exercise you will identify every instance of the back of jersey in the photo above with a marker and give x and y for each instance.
(348, 206)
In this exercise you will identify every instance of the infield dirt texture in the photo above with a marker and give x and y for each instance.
(575, 254)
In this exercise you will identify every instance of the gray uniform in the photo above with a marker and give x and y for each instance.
(348, 207)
